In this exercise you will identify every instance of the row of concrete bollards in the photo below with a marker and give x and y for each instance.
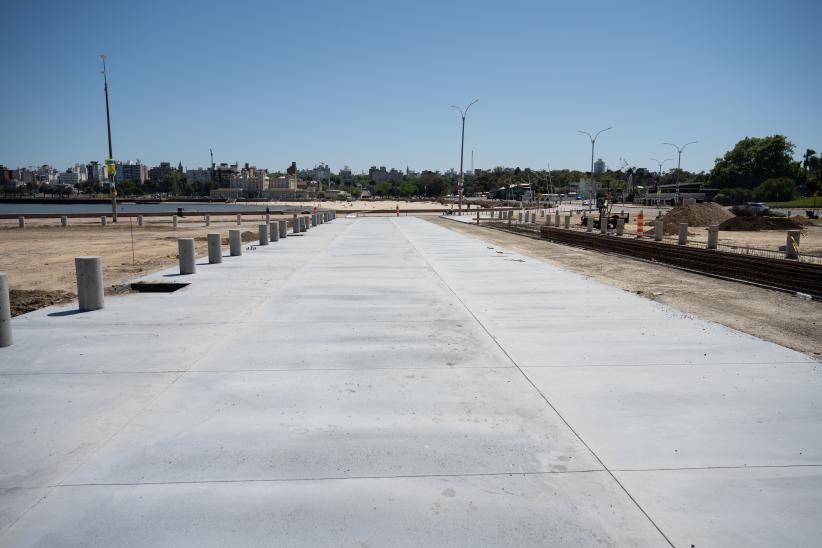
(89, 270)
(791, 244)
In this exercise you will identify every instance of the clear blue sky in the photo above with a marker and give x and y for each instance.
(364, 83)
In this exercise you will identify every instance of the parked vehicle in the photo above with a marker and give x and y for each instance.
(751, 208)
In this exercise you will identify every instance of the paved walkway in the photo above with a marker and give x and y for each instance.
(388, 382)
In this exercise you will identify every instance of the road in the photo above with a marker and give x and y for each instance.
(386, 381)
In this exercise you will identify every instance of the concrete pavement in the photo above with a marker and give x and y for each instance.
(385, 381)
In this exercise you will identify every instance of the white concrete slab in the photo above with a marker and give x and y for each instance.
(265, 425)
(692, 416)
(717, 508)
(550, 510)
(390, 382)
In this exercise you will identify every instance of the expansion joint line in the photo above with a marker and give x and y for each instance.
(533, 385)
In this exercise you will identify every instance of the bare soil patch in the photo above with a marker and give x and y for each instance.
(26, 300)
(752, 223)
(695, 215)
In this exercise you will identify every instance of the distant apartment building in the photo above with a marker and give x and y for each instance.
(346, 178)
(377, 176)
(159, 173)
(70, 178)
(599, 167)
(137, 173)
(94, 172)
(198, 176)
(224, 174)
(322, 174)
(251, 180)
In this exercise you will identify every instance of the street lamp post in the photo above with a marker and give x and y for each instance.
(659, 177)
(593, 143)
(678, 165)
(463, 113)
(109, 165)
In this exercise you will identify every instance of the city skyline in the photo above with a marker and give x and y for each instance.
(349, 85)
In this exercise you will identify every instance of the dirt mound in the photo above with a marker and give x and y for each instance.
(695, 215)
(764, 223)
(26, 300)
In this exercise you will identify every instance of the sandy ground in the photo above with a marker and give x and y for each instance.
(41, 256)
(771, 315)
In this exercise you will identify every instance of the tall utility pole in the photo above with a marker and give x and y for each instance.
(463, 113)
(659, 177)
(110, 166)
(679, 165)
(593, 143)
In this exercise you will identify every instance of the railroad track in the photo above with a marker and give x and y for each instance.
(782, 274)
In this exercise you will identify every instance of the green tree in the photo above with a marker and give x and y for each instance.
(753, 161)
(775, 190)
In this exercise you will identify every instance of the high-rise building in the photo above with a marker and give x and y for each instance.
(322, 174)
(136, 172)
(346, 179)
(377, 176)
(599, 167)
(94, 172)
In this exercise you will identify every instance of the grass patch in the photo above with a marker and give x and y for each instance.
(800, 202)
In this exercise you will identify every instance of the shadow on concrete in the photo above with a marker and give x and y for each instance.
(65, 313)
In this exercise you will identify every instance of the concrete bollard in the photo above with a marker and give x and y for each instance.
(590, 223)
(235, 243)
(792, 245)
(215, 248)
(313, 220)
(713, 236)
(295, 223)
(567, 221)
(274, 231)
(659, 231)
(208, 220)
(21, 222)
(620, 226)
(89, 272)
(174, 221)
(603, 225)
(556, 219)
(5, 311)
(263, 230)
(519, 217)
(63, 221)
(103, 221)
(283, 228)
(268, 218)
(239, 219)
(139, 220)
(682, 230)
(303, 224)
(185, 251)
